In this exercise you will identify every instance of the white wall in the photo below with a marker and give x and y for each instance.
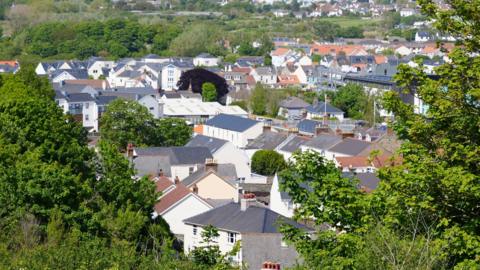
(170, 76)
(191, 241)
(188, 207)
(239, 139)
(90, 115)
(182, 171)
(284, 208)
(153, 106)
(205, 62)
(238, 157)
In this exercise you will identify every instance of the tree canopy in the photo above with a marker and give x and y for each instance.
(209, 93)
(127, 121)
(267, 162)
(196, 78)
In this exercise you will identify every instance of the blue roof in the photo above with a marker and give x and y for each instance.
(231, 122)
(320, 108)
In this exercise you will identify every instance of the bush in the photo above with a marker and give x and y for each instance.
(267, 162)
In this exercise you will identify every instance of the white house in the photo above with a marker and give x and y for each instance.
(224, 152)
(177, 203)
(280, 201)
(405, 12)
(235, 129)
(97, 66)
(322, 109)
(255, 226)
(206, 60)
(171, 73)
(423, 36)
(154, 106)
(264, 75)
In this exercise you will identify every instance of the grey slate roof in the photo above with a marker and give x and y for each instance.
(320, 108)
(367, 180)
(213, 144)
(308, 126)
(267, 140)
(351, 147)
(79, 97)
(324, 141)
(294, 144)
(231, 122)
(227, 172)
(177, 155)
(253, 220)
(293, 103)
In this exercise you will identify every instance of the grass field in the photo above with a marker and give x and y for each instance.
(352, 21)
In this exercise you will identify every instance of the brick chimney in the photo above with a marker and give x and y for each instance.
(248, 200)
(176, 180)
(160, 173)
(211, 164)
(195, 189)
(130, 150)
(270, 266)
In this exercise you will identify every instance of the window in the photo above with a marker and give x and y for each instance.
(86, 117)
(86, 105)
(232, 237)
(151, 108)
(194, 229)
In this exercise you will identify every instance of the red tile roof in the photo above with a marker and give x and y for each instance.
(162, 183)
(93, 83)
(280, 51)
(362, 161)
(171, 198)
(11, 63)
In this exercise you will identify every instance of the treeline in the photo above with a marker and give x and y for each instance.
(116, 38)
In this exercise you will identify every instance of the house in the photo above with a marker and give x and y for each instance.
(250, 61)
(321, 109)
(63, 75)
(423, 36)
(347, 148)
(173, 162)
(363, 164)
(171, 73)
(291, 145)
(82, 106)
(405, 12)
(292, 108)
(177, 203)
(280, 13)
(322, 143)
(214, 181)
(9, 66)
(256, 227)
(264, 75)
(205, 60)
(98, 67)
(235, 129)
(280, 201)
(223, 152)
(280, 55)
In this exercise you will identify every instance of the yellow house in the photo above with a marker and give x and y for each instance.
(214, 181)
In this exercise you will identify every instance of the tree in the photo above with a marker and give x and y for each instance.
(194, 79)
(209, 93)
(258, 100)
(351, 99)
(267, 162)
(326, 30)
(210, 255)
(240, 103)
(127, 122)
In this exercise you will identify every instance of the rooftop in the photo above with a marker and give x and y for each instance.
(231, 122)
(253, 220)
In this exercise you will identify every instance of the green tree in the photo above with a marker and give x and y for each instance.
(326, 30)
(209, 92)
(125, 122)
(267, 162)
(258, 100)
(351, 99)
(240, 103)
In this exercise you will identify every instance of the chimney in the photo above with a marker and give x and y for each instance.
(319, 129)
(211, 164)
(177, 180)
(237, 194)
(247, 201)
(104, 84)
(160, 173)
(130, 150)
(270, 266)
(195, 189)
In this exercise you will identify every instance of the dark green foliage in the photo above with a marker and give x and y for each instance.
(351, 99)
(127, 122)
(195, 79)
(241, 103)
(267, 162)
(209, 93)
